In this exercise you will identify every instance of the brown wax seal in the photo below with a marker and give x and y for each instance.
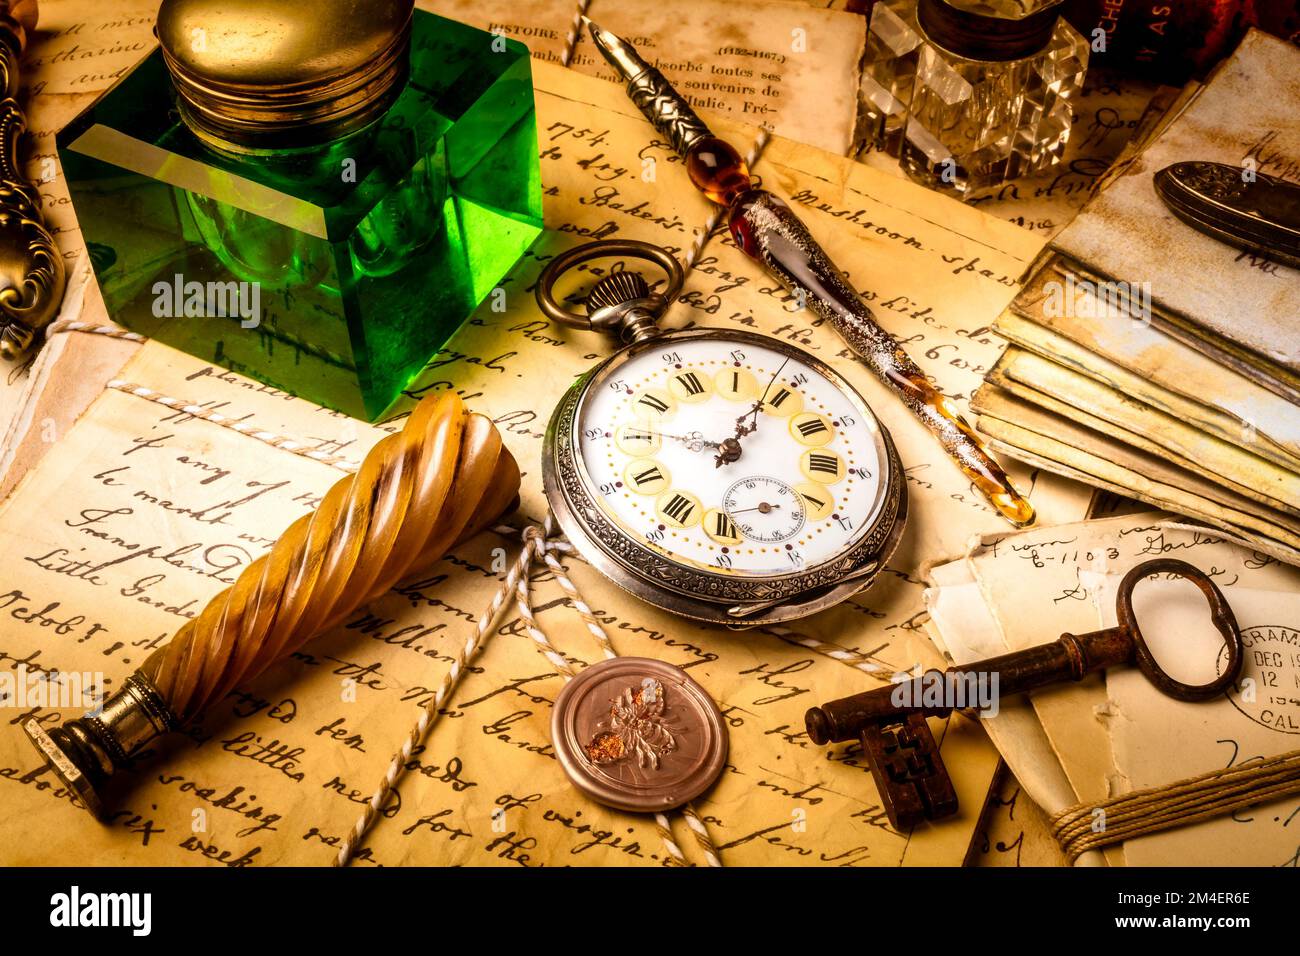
(638, 734)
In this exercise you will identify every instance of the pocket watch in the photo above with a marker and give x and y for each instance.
(722, 475)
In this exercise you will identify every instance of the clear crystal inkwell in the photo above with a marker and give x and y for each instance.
(968, 94)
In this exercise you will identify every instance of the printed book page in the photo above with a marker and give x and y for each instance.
(791, 66)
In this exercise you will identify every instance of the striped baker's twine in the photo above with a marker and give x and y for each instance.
(701, 834)
(575, 31)
(543, 544)
(703, 236)
(534, 540)
(112, 331)
(835, 652)
(244, 427)
(575, 599)
(670, 842)
(538, 543)
(546, 547)
(267, 329)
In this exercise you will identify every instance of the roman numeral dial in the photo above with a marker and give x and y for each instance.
(811, 429)
(782, 400)
(734, 456)
(721, 527)
(678, 509)
(636, 440)
(655, 405)
(822, 466)
(646, 476)
(736, 385)
(691, 386)
(817, 500)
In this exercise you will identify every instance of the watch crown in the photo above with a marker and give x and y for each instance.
(616, 289)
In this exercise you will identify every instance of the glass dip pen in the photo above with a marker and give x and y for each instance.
(766, 229)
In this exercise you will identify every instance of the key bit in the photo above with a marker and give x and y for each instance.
(890, 721)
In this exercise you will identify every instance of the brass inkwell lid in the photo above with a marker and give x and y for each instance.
(272, 74)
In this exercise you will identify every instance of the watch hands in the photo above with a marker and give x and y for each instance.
(728, 448)
(767, 230)
(744, 428)
(765, 508)
(694, 441)
(728, 452)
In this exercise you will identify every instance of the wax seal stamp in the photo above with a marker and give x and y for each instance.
(638, 734)
(439, 481)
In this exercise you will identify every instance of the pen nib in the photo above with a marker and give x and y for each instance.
(616, 51)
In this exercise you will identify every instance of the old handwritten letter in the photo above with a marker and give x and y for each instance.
(79, 49)
(1116, 734)
(139, 514)
(1093, 455)
(1156, 739)
(1153, 368)
(792, 66)
(967, 631)
(1014, 830)
(1249, 482)
(1237, 307)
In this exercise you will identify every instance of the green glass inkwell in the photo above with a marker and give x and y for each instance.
(316, 195)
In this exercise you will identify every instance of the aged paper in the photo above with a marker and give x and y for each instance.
(1034, 435)
(1003, 400)
(791, 66)
(141, 513)
(1152, 367)
(962, 624)
(1102, 407)
(1230, 302)
(81, 48)
(78, 50)
(1121, 734)
(1014, 830)
(1056, 582)
(1030, 581)
(1157, 740)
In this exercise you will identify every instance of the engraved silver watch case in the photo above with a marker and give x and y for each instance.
(622, 304)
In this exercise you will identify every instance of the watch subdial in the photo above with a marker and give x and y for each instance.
(765, 509)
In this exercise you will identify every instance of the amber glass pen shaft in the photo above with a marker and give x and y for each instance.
(767, 230)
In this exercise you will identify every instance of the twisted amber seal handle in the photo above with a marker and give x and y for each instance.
(32, 275)
(442, 479)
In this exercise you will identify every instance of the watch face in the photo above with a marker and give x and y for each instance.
(731, 455)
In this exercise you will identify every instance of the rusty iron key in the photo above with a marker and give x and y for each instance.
(904, 758)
